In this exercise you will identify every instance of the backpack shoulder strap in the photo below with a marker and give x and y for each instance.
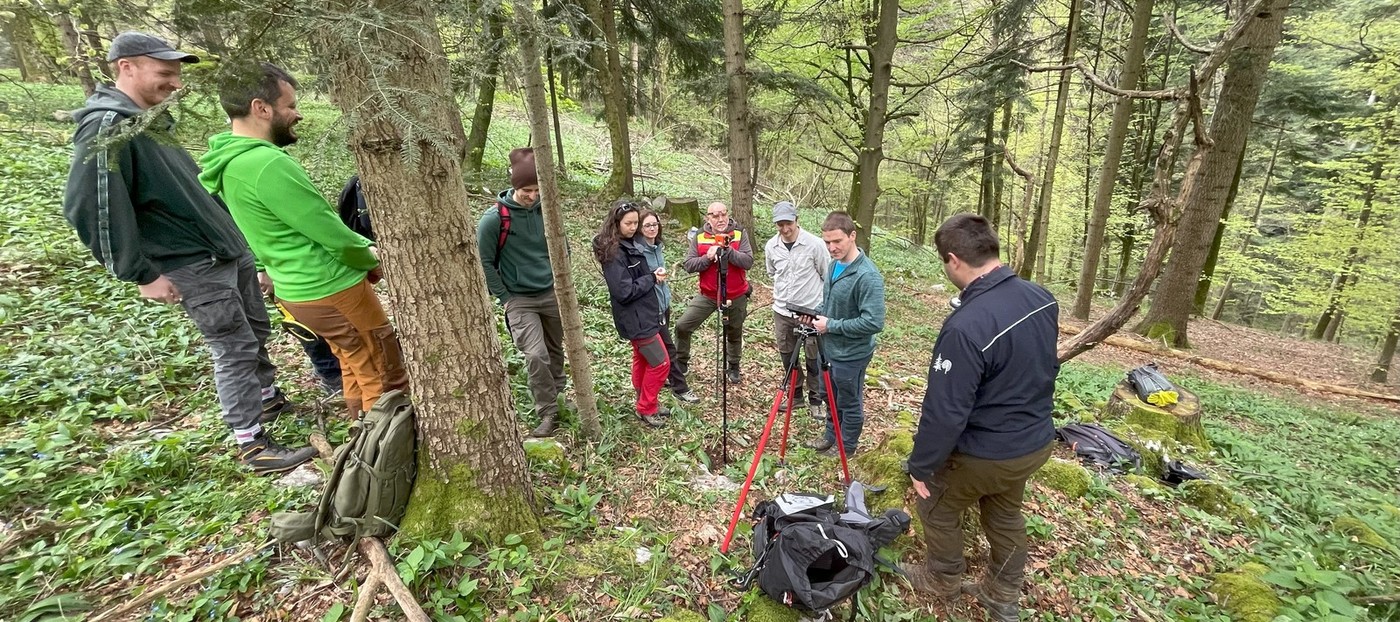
(505, 231)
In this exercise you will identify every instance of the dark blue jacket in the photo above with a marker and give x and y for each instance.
(991, 384)
(632, 292)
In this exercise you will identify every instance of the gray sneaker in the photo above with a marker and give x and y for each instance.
(688, 397)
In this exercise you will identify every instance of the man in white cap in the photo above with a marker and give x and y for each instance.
(797, 261)
(134, 198)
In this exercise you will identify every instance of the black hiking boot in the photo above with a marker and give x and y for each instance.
(998, 608)
(732, 376)
(274, 406)
(549, 424)
(266, 457)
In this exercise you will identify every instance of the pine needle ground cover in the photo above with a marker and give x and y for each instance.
(116, 476)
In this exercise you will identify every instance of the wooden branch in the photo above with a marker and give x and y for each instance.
(365, 601)
(1376, 600)
(43, 528)
(148, 596)
(1171, 25)
(1209, 363)
(1218, 54)
(1101, 84)
(322, 445)
(1023, 173)
(374, 550)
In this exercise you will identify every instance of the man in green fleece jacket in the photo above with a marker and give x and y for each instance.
(322, 271)
(136, 202)
(519, 275)
(853, 312)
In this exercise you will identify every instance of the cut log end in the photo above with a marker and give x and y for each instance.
(1181, 422)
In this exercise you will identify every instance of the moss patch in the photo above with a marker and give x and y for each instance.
(1216, 499)
(1247, 597)
(440, 506)
(1161, 331)
(1391, 511)
(1067, 477)
(763, 609)
(1149, 444)
(547, 454)
(1359, 531)
(884, 466)
(603, 557)
(683, 615)
(1145, 484)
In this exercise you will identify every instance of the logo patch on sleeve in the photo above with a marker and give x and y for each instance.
(942, 364)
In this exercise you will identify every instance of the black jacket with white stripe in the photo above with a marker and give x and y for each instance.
(991, 384)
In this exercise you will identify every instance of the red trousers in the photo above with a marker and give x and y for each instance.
(650, 365)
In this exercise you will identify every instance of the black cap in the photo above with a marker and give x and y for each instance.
(129, 44)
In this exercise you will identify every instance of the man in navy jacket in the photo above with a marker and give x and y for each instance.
(985, 425)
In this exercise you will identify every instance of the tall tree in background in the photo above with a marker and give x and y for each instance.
(881, 41)
(1244, 77)
(1035, 247)
(1113, 154)
(389, 75)
(527, 28)
(737, 108)
(492, 50)
(608, 65)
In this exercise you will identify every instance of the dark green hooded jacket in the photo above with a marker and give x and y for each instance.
(138, 203)
(524, 268)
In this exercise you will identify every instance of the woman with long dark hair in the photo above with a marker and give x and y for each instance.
(635, 308)
(651, 243)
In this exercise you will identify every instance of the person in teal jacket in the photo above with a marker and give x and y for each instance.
(519, 275)
(853, 312)
(321, 270)
(133, 197)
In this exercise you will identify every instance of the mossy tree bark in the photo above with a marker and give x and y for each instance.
(389, 74)
(528, 32)
(737, 109)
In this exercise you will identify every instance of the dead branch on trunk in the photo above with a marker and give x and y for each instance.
(385, 571)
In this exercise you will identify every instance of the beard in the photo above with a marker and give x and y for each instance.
(283, 133)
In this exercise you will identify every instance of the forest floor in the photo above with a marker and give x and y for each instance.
(118, 476)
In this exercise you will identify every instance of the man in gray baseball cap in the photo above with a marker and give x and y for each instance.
(133, 43)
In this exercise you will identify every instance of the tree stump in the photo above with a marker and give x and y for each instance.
(686, 211)
(1180, 422)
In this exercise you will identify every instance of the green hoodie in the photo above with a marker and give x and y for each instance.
(294, 233)
(524, 260)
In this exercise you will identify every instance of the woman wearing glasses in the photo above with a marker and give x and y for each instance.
(651, 243)
(636, 309)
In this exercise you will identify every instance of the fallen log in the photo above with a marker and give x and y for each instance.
(1209, 363)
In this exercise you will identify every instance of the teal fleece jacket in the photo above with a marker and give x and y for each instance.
(294, 232)
(854, 304)
(523, 269)
(137, 203)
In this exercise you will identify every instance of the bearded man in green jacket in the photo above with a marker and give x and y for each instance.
(323, 272)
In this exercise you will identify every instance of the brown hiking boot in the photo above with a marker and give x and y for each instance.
(936, 584)
(1001, 607)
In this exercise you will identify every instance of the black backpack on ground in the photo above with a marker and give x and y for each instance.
(1098, 447)
(812, 559)
(351, 207)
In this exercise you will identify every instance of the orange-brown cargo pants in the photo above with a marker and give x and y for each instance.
(354, 323)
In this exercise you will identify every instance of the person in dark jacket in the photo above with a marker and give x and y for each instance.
(635, 309)
(985, 425)
(134, 198)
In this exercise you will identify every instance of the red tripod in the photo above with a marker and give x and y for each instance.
(804, 332)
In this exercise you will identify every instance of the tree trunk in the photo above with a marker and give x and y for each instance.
(79, 64)
(1035, 246)
(1339, 284)
(872, 152)
(528, 31)
(486, 92)
(998, 173)
(1248, 65)
(34, 64)
(1198, 302)
(1113, 154)
(1382, 370)
(1254, 223)
(608, 63)
(472, 474)
(94, 43)
(737, 109)
(986, 204)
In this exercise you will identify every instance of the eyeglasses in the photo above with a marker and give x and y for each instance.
(651, 225)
